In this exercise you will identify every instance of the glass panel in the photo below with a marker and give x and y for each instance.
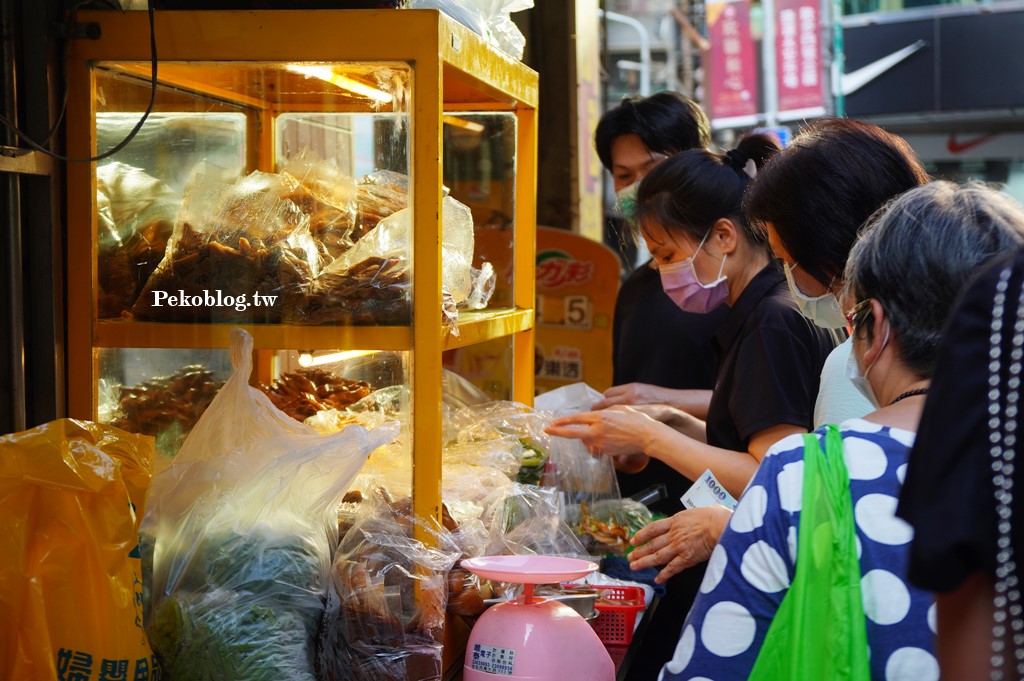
(161, 393)
(488, 366)
(186, 236)
(480, 171)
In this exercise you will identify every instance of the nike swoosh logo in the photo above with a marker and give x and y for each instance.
(851, 82)
(955, 147)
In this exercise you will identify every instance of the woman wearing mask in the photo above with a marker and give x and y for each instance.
(769, 355)
(902, 279)
(812, 200)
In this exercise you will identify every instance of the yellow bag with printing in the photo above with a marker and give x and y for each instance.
(72, 494)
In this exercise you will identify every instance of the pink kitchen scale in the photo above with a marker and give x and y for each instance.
(532, 637)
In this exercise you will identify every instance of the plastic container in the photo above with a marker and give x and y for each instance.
(615, 622)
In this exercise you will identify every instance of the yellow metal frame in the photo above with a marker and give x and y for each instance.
(452, 69)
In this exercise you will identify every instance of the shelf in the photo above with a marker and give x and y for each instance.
(474, 327)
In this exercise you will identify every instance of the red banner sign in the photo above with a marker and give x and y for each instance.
(798, 54)
(733, 64)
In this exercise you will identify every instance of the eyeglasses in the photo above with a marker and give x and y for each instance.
(858, 309)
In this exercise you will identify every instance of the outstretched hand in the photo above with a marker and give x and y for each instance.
(679, 542)
(617, 431)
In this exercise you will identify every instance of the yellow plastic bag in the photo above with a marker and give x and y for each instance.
(72, 494)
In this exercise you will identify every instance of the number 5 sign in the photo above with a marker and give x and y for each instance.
(577, 281)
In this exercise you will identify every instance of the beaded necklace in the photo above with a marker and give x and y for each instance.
(1002, 441)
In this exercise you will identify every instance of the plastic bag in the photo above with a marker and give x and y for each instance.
(376, 626)
(819, 630)
(488, 18)
(136, 218)
(240, 252)
(527, 520)
(244, 523)
(71, 495)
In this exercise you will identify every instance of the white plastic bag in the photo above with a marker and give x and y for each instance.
(488, 18)
(243, 524)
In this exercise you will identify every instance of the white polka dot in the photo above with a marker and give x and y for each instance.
(791, 541)
(901, 473)
(864, 459)
(684, 651)
(876, 517)
(728, 629)
(932, 620)
(764, 569)
(912, 664)
(749, 514)
(886, 598)
(904, 437)
(860, 547)
(791, 486)
(716, 568)
(786, 444)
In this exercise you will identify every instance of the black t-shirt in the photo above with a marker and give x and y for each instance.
(770, 359)
(949, 495)
(657, 343)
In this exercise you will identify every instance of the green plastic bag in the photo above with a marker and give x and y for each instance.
(819, 630)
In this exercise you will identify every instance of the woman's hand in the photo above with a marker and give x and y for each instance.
(679, 542)
(631, 393)
(617, 431)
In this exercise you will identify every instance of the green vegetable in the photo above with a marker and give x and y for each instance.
(246, 608)
(531, 463)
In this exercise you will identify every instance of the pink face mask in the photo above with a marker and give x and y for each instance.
(679, 279)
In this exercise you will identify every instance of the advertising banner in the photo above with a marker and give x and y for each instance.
(732, 86)
(798, 54)
(577, 280)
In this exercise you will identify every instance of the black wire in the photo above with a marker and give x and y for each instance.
(123, 143)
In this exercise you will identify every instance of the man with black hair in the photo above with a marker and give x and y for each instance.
(654, 343)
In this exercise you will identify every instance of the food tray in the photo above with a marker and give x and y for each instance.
(615, 623)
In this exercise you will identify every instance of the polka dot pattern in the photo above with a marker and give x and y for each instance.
(684, 651)
(790, 483)
(751, 569)
(764, 569)
(716, 568)
(876, 517)
(749, 514)
(911, 664)
(728, 629)
(886, 597)
(865, 460)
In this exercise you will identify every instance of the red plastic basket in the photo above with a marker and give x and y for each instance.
(614, 622)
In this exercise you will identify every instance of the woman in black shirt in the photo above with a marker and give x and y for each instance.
(769, 355)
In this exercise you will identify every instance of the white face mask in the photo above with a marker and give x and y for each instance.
(860, 380)
(823, 310)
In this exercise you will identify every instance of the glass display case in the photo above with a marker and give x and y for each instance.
(356, 189)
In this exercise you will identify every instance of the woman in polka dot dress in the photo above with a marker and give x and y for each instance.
(902, 278)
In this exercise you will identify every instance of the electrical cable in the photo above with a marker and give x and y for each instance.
(120, 145)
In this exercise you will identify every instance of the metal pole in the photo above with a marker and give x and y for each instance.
(12, 233)
(838, 58)
(645, 47)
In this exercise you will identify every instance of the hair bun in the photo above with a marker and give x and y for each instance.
(737, 158)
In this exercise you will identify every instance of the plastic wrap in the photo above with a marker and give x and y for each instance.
(327, 195)
(243, 525)
(166, 407)
(488, 18)
(240, 252)
(136, 219)
(484, 281)
(384, 617)
(527, 520)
